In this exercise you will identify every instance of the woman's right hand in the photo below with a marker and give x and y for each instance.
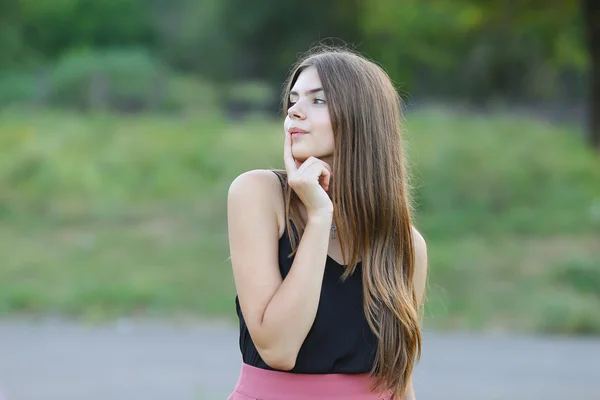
(310, 180)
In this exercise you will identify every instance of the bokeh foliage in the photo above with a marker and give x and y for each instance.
(478, 50)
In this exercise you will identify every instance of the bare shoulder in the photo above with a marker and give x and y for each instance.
(255, 179)
(419, 242)
(259, 187)
(420, 274)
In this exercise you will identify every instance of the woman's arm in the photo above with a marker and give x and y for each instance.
(420, 275)
(279, 313)
(410, 392)
(420, 281)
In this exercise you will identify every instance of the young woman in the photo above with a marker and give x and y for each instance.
(329, 270)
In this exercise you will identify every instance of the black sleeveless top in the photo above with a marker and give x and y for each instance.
(340, 340)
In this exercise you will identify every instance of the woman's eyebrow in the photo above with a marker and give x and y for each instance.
(311, 91)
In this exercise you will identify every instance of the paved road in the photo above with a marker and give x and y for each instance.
(151, 360)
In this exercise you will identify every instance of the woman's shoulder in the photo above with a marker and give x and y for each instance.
(260, 188)
(420, 271)
(418, 240)
(257, 179)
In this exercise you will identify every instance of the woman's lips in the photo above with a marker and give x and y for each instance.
(297, 132)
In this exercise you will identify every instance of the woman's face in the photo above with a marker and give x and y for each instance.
(308, 118)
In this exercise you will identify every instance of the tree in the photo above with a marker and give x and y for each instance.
(591, 11)
(480, 49)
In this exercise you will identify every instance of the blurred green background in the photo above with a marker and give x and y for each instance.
(123, 122)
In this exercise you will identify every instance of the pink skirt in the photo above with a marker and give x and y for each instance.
(261, 384)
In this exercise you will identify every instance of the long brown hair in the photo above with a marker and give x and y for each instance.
(372, 207)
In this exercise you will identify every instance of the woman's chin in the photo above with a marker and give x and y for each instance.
(300, 155)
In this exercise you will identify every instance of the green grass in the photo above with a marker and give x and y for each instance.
(104, 216)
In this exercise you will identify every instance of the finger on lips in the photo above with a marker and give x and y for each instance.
(290, 163)
(294, 166)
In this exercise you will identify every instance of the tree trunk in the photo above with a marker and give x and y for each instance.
(591, 12)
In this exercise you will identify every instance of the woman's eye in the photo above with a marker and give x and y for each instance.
(320, 100)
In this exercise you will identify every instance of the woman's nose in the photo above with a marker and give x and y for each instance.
(295, 112)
